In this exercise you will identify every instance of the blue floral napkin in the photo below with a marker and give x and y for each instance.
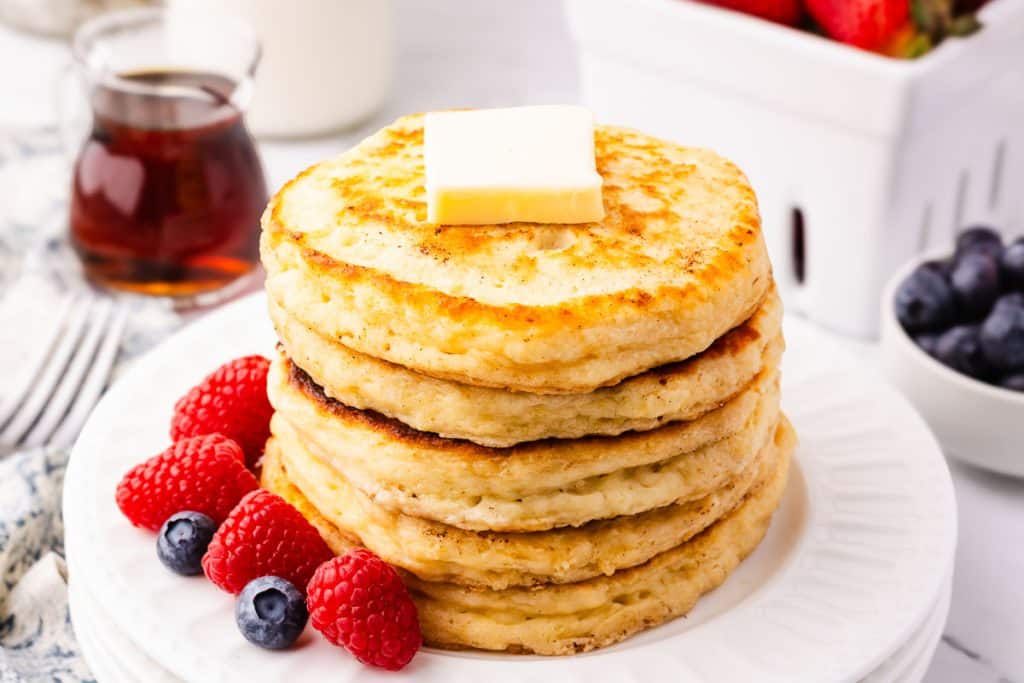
(37, 642)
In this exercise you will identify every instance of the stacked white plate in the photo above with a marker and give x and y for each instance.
(852, 582)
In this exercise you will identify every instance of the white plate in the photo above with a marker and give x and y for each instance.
(115, 658)
(850, 567)
(909, 663)
(111, 655)
(915, 670)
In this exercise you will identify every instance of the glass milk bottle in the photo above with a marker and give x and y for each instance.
(326, 63)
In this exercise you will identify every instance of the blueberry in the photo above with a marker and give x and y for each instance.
(1010, 300)
(1013, 382)
(979, 239)
(975, 282)
(183, 540)
(927, 342)
(1002, 334)
(924, 301)
(960, 349)
(1013, 264)
(271, 612)
(943, 267)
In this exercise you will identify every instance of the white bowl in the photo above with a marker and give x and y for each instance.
(976, 422)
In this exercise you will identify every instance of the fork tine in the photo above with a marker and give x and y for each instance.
(71, 380)
(16, 395)
(26, 413)
(95, 381)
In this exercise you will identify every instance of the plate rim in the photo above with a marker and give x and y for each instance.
(83, 609)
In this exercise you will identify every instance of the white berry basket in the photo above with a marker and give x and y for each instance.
(859, 161)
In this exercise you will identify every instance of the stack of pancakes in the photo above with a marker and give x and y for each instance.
(560, 434)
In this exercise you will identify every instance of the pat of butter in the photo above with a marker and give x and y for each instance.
(529, 164)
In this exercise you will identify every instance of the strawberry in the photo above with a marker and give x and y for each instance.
(907, 43)
(867, 24)
(964, 6)
(264, 536)
(232, 400)
(786, 12)
(359, 602)
(203, 474)
(939, 19)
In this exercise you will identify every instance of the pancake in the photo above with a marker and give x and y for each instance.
(529, 487)
(493, 417)
(677, 262)
(576, 617)
(438, 552)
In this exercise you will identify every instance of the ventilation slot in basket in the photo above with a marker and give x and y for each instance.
(798, 242)
(997, 175)
(961, 201)
(924, 237)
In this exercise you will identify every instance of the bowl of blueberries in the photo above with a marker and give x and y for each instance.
(953, 342)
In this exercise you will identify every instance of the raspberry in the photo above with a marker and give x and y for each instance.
(264, 536)
(359, 602)
(203, 474)
(232, 400)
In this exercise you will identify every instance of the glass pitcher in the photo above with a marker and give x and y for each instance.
(168, 187)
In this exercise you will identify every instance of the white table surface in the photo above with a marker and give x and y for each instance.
(494, 52)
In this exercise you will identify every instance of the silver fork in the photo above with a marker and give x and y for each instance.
(65, 376)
